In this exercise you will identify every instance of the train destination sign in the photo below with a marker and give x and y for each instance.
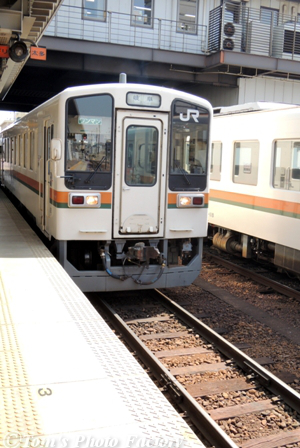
(89, 120)
(143, 99)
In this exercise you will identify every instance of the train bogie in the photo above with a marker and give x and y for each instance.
(116, 179)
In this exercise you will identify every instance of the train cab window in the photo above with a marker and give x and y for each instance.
(216, 158)
(141, 155)
(89, 137)
(189, 150)
(286, 170)
(245, 169)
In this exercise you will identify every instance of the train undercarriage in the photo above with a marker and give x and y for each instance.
(282, 257)
(143, 261)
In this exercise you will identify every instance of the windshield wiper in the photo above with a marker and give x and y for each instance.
(89, 178)
(184, 174)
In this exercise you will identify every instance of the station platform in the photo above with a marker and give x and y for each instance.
(66, 379)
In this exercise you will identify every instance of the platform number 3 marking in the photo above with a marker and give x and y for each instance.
(44, 391)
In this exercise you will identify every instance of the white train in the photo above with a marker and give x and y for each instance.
(116, 177)
(254, 204)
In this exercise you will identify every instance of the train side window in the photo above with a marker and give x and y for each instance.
(21, 150)
(141, 155)
(49, 135)
(31, 151)
(3, 150)
(286, 169)
(26, 150)
(7, 150)
(10, 151)
(216, 161)
(245, 169)
(17, 145)
(13, 150)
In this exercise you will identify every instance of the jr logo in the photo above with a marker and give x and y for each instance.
(190, 113)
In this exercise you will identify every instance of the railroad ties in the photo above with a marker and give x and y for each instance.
(234, 391)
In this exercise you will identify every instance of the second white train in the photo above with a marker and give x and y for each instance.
(254, 208)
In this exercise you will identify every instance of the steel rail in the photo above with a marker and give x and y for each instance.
(248, 365)
(206, 425)
(278, 287)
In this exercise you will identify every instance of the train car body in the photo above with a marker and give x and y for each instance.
(116, 177)
(254, 206)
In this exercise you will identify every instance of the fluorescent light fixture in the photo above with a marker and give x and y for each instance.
(189, 15)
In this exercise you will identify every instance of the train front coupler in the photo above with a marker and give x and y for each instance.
(139, 255)
(142, 253)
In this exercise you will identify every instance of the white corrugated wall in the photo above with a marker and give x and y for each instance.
(268, 89)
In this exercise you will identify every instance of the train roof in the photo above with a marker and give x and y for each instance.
(251, 107)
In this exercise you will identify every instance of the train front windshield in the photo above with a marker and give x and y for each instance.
(89, 136)
(89, 128)
(189, 150)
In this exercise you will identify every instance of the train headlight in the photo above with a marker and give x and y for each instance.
(185, 201)
(190, 200)
(92, 200)
(85, 200)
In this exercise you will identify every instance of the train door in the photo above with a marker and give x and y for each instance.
(140, 173)
(48, 135)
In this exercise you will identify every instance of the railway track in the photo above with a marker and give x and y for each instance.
(260, 276)
(231, 399)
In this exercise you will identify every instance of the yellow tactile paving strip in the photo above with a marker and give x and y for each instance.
(17, 409)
